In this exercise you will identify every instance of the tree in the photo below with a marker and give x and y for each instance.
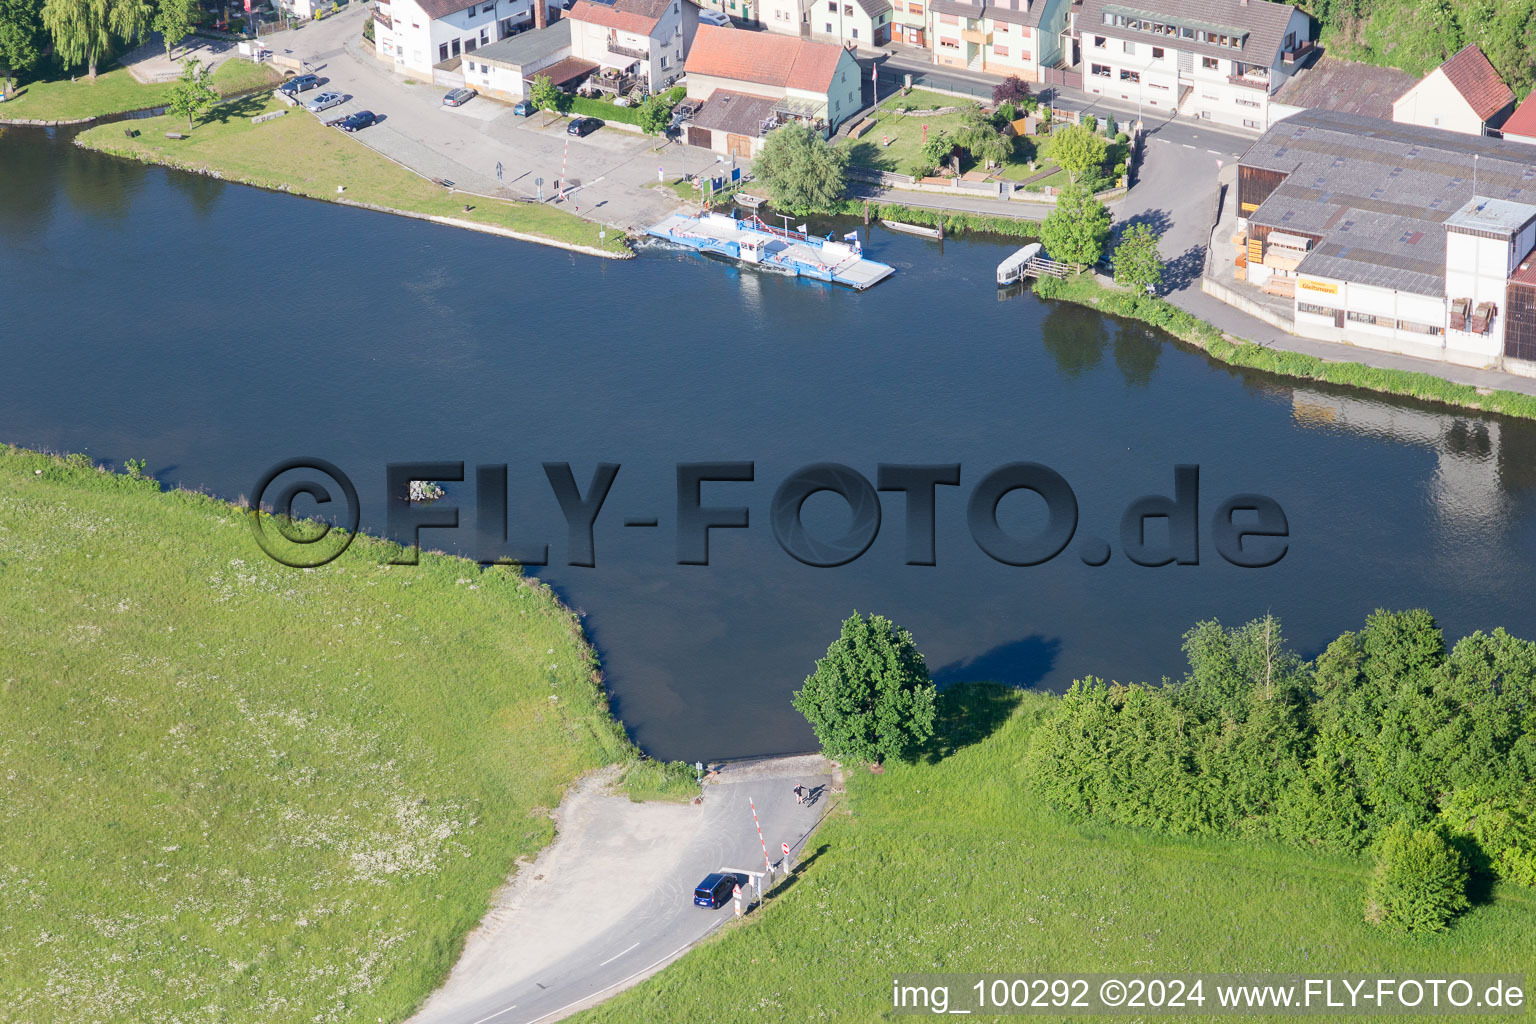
(1078, 150)
(83, 30)
(1136, 259)
(655, 115)
(192, 94)
(1011, 89)
(980, 137)
(173, 20)
(1420, 882)
(870, 699)
(804, 173)
(1076, 230)
(544, 95)
(19, 32)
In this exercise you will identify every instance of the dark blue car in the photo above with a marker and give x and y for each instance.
(715, 890)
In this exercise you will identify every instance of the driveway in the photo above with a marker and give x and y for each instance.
(607, 174)
(611, 901)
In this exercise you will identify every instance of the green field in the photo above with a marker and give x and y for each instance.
(116, 91)
(296, 153)
(239, 792)
(957, 866)
(903, 150)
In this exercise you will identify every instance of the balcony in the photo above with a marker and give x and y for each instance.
(632, 52)
(1251, 79)
(976, 35)
(1297, 53)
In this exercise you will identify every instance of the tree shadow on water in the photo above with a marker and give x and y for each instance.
(1022, 663)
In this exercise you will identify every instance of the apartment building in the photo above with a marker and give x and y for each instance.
(427, 38)
(1218, 60)
(1009, 37)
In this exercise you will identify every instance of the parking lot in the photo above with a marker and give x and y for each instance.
(608, 174)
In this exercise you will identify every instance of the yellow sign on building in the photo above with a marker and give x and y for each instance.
(1327, 287)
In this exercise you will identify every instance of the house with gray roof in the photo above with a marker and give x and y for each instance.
(1398, 237)
(1000, 37)
(1216, 60)
(430, 38)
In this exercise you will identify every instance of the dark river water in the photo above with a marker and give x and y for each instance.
(215, 330)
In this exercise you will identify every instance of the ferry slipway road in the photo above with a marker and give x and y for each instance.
(612, 901)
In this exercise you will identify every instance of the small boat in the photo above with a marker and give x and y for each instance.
(913, 229)
(750, 201)
(1016, 267)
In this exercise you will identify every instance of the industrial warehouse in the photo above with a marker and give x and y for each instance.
(1395, 237)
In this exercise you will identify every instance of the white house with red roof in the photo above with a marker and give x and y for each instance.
(1521, 126)
(752, 82)
(1465, 94)
(646, 39)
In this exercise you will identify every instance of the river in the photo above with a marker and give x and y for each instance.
(215, 330)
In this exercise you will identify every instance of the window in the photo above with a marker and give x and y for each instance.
(469, 46)
(1247, 103)
(663, 61)
(1250, 123)
(1128, 46)
(829, 28)
(1372, 319)
(487, 9)
(1157, 53)
(831, 6)
(485, 36)
(1099, 41)
(1130, 76)
(442, 51)
(914, 8)
(855, 33)
(847, 10)
(1314, 309)
(1000, 51)
(1210, 63)
(1101, 70)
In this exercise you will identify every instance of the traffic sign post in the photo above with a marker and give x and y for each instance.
(786, 859)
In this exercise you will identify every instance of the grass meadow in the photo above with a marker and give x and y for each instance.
(240, 792)
(115, 91)
(298, 154)
(954, 865)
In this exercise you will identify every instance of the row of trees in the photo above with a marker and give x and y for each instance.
(83, 32)
(1387, 740)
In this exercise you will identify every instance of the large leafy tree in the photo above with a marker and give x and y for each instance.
(20, 32)
(83, 30)
(803, 172)
(870, 699)
(1076, 230)
(1079, 150)
(1137, 262)
(981, 138)
(173, 20)
(192, 94)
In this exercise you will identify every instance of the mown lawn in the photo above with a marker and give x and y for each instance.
(957, 867)
(895, 142)
(239, 792)
(296, 153)
(116, 91)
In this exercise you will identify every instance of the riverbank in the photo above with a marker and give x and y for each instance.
(294, 792)
(82, 101)
(1087, 290)
(297, 154)
(957, 864)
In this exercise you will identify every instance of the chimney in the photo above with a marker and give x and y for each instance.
(541, 13)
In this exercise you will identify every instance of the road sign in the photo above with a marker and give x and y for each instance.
(786, 849)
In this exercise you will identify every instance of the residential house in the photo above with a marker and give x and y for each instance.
(787, 17)
(1218, 60)
(1008, 37)
(861, 24)
(752, 82)
(1465, 94)
(645, 41)
(1395, 237)
(1521, 126)
(427, 38)
(506, 69)
(749, 11)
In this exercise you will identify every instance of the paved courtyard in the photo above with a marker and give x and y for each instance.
(608, 175)
(149, 63)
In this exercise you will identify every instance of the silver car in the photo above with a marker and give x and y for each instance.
(324, 101)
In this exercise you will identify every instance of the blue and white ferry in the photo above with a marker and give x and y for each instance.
(787, 251)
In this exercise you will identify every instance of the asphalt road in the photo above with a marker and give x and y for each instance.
(663, 923)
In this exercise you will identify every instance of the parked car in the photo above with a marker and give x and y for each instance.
(715, 891)
(324, 101)
(458, 97)
(300, 83)
(358, 121)
(523, 108)
(709, 17)
(580, 126)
